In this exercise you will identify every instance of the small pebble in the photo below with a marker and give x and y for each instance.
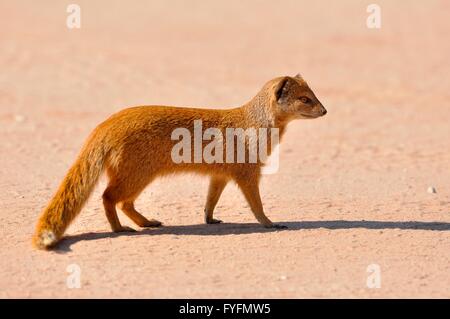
(19, 118)
(431, 190)
(283, 277)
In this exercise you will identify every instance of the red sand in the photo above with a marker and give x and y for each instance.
(352, 186)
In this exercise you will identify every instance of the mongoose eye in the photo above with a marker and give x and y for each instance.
(305, 100)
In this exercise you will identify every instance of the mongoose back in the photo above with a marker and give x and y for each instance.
(135, 146)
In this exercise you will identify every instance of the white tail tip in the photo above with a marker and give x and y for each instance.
(45, 239)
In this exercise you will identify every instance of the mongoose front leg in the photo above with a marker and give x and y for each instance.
(136, 217)
(251, 193)
(216, 187)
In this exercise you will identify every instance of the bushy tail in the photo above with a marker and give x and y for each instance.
(71, 196)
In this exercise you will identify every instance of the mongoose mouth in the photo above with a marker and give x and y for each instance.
(308, 116)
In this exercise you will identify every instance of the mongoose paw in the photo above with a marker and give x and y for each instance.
(152, 223)
(125, 229)
(213, 221)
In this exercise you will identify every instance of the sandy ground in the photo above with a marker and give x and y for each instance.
(352, 186)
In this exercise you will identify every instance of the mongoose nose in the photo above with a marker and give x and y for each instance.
(324, 112)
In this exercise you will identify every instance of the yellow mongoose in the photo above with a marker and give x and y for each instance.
(134, 146)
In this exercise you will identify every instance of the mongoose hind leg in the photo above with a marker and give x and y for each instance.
(109, 202)
(128, 208)
(128, 184)
(216, 187)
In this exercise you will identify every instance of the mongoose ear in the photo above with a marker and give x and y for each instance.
(299, 76)
(282, 90)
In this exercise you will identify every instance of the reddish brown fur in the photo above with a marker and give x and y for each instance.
(134, 147)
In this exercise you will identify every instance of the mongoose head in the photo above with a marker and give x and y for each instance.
(295, 100)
